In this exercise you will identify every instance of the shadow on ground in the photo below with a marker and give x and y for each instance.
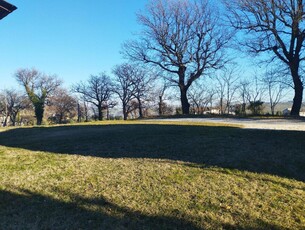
(279, 153)
(31, 211)
(34, 211)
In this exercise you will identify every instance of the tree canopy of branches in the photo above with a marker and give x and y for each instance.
(97, 91)
(142, 86)
(256, 107)
(182, 38)
(64, 105)
(159, 94)
(11, 103)
(277, 27)
(201, 97)
(226, 87)
(125, 86)
(275, 88)
(38, 87)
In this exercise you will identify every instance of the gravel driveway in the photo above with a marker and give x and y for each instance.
(275, 124)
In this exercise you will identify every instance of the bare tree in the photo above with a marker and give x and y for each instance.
(97, 91)
(3, 110)
(256, 91)
(220, 89)
(243, 89)
(63, 104)
(12, 102)
(251, 92)
(124, 86)
(38, 87)
(275, 88)
(182, 38)
(142, 85)
(276, 27)
(227, 87)
(200, 96)
(160, 93)
(82, 110)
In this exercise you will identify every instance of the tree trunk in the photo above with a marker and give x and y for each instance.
(13, 119)
(221, 105)
(100, 113)
(39, 109)
(39, 119)
(140, 108)
(272, 110)
(184, 101)
(198, 109)
(298, 94)
(60, 118)
(86, 112)
(228, 106)
(125, 114)
(108, 114)
(79, 115)
(5, 121)
(160, 106)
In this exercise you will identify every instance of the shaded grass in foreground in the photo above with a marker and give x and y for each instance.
(114, 177)
(279, 153)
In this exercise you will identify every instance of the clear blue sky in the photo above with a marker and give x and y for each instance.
(70, 38)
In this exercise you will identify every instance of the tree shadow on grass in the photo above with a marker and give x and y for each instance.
(23, 209)
(279, 153)
(29, 210)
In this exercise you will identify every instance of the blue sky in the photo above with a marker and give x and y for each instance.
(70, 38)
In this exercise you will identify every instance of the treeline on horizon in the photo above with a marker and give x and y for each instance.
(183, 53)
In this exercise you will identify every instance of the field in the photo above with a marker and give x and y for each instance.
(151, 175)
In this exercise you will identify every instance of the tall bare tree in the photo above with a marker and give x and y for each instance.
(124, 86)
(275, 87)
(142, 85)
(226, 87)
(276, 27)
(251, 92)
(38, 87)
(182, 38)
(243, 91)
(97, 91)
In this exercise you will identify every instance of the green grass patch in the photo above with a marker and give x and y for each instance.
(148, 175)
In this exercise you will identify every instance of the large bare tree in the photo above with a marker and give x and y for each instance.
(38, 87)
(183, 38)
(276, 27)
(97, 91)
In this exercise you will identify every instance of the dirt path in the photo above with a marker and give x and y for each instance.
(275, 124)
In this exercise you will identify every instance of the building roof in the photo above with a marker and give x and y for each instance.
(6, 8)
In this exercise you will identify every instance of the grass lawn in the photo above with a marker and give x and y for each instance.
(149, 175)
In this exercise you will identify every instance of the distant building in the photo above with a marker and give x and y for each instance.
(6, 8)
